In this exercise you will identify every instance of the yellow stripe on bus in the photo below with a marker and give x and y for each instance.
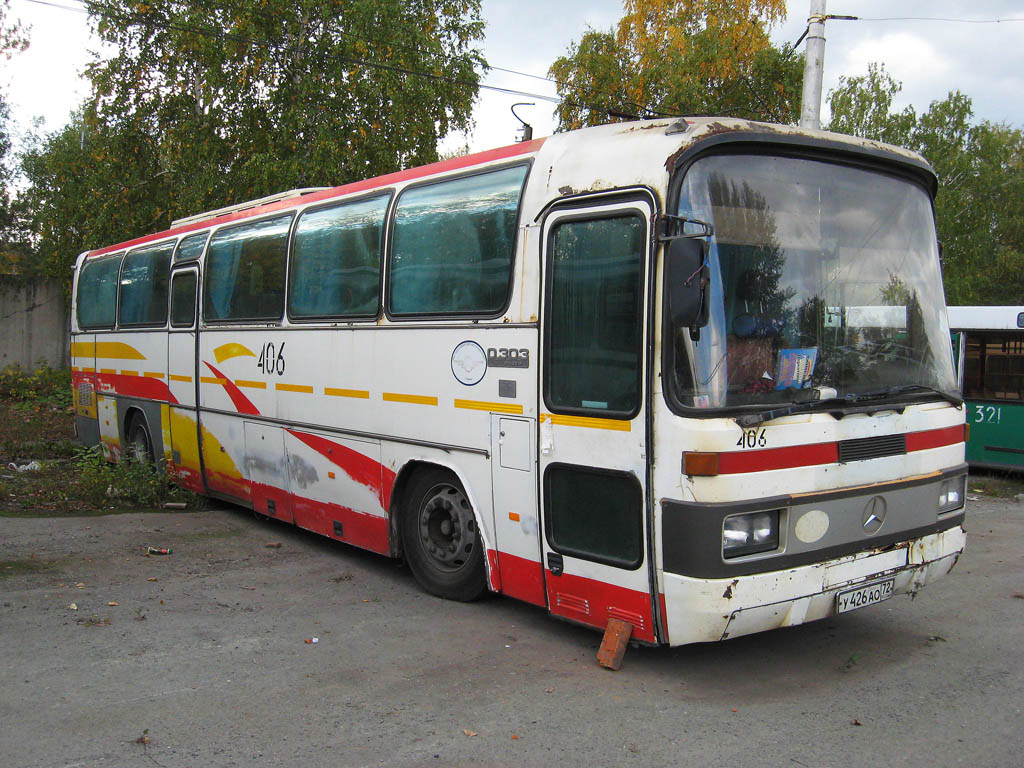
(362, 394)
(483, 405)
(110, 350)
(108, 370)
(212, 380)
(587, 421)
(234, 349)
(395, 397)
(304, 388)
(129, 373)
(251, 384)
(153, 375)
(179, 377)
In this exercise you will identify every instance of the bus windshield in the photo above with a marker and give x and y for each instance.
(824, 283)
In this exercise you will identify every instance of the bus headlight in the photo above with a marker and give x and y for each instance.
(951, 494)
(749, 533)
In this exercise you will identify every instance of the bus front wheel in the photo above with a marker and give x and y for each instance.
(442, 545)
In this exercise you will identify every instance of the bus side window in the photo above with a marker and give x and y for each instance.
(143, 286)
(335, 262)
(453, 245)
(97, 292)
(993, 366)
(183, 300)
(245, 268)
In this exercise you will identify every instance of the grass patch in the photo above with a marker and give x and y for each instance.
(10, 568)
(995, 484)
(37, 425)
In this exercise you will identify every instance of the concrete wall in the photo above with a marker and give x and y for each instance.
(33, 324)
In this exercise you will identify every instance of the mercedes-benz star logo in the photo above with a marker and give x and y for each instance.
(874, 515)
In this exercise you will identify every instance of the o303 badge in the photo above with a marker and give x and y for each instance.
(469, 363)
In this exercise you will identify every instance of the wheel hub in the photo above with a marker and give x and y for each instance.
(447, 528)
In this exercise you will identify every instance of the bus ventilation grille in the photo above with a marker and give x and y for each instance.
(872, 448)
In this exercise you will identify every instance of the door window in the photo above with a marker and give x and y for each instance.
(594, 325)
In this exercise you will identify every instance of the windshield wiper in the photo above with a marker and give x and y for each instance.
(753, 419)
(875, 394)
(852, 398)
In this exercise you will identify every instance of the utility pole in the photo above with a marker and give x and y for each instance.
(814, 66)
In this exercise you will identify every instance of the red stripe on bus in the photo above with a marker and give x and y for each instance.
(593, 602)
(936, 438)
(735, 462)
(360, 529)
(242, 403)
(132, 386)
(455, 164)
(362, 469)
(519, 578)
(493, 573)
(778, 458)
(236, 487)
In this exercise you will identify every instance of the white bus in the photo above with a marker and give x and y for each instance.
(694, 375)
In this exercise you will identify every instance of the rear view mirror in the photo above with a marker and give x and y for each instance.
(686, 280)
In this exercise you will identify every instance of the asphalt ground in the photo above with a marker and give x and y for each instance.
(199, 658)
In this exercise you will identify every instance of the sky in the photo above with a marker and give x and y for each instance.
(985, 61)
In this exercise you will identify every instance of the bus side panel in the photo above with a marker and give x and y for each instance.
(185, 449)
(131, 373)
(266, 468)
(996, 429)
(223, 447)
(339, 487)
(83, 383)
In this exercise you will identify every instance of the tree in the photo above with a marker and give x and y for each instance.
(208, 104)
(90, 184)
(979, 208)
(12, 41)
(681, 57)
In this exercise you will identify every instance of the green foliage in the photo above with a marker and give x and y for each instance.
(44, 386)
(128, 483)
(681, 57)
(979, 208)
(12, 40)
(205, 105)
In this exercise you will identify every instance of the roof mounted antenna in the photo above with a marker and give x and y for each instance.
(527, 129)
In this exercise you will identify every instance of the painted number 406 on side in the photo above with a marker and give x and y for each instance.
(271, 359)
(752, 438)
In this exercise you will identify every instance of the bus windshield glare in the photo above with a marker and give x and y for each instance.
(824, 283)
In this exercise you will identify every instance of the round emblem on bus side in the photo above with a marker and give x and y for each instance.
(469, 363)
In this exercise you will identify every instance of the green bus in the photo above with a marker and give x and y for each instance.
(988, 346)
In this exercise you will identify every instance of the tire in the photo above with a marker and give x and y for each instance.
(440, 538)
(140, 444)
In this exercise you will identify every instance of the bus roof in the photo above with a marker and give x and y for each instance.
(986, 318)
(572, 163)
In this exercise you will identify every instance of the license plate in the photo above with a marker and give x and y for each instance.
(869, 594)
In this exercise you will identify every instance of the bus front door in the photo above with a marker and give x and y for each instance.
(593, 414)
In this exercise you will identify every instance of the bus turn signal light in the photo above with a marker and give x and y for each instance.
(703, 464)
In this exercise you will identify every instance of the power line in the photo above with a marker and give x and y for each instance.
(936, 18)
(256, 43)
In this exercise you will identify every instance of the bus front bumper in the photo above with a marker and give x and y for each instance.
(707, 610)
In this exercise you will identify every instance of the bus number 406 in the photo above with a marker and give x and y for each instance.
(269, 362)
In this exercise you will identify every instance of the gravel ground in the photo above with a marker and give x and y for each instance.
(199, 658)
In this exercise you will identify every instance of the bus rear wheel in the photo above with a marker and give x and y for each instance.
(442, 545)
(140, 444)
